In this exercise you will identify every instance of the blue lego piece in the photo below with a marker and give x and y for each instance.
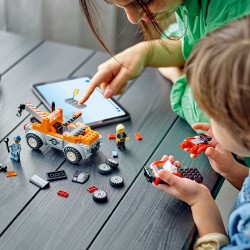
(15, 149)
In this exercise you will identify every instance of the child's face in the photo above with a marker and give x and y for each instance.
(226, 140)
(160, 9)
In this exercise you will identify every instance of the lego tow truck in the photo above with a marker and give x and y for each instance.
(77, 140)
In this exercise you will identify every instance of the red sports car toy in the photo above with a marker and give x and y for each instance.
(196, 145)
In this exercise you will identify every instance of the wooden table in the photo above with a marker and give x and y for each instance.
(137, 216)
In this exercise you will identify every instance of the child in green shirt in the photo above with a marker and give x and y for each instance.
(195, 18)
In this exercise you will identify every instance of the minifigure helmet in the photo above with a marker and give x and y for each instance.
(17, 138)
(120, 127)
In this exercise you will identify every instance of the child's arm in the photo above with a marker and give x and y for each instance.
(205, 212)
(112, 75)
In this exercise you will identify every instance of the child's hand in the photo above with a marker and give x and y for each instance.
(220, 159)
(184, 189)
(208, 129)
(113, 75)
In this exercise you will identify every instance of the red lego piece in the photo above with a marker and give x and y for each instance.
(63, 193)
(138, 136)
(112, 136)
(196, 145)
(92, 189)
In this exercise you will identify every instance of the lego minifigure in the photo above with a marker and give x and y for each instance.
(15, 148)
(121, 136)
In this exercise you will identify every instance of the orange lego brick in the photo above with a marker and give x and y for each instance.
(138, 136)
(11, 173)
(112, 136)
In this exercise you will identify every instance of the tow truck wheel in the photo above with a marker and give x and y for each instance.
(34, 141)
(72, 155)
(97, 146)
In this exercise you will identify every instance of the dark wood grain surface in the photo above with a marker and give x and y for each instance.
(137, 216)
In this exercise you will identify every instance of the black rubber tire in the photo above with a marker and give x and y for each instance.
(72, 155)
(34, 141)
(104, 169)
(112, 163)
(116, 181)
(100, 196)
(97, 146)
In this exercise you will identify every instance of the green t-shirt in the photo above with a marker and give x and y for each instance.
(200, 17)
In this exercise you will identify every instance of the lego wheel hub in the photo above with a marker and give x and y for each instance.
(71, 156)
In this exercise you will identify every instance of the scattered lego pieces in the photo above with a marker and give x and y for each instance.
(116, 181)
(39, 182)
(112, 136)
(114, 153)
(11, 173)
(100, 196)
(80, 177)
(104, 169)
(112, 163)
(56, 176)
(63, 193)
(3, 167)
(92, 189)
(138, 136)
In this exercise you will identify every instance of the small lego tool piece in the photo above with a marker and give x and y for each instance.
(56, 176)
(80, 177)
(112, 136)
(39, 182)
(3, 167)
(14, 149)
(104, 169)
(63, 193)
(114, 153)
(11, 173)
(116, 181)
(196, 145)
(138, 136)
(92, 189)
(121, 137)
(112, 163)
(100, 196)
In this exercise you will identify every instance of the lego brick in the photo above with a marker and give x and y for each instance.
(92, 189)
(112, 136)
(39, 182)
(56, 176)
(138, 136)
(115, 153)
(63, 193)
(80, 177)
(11, 173)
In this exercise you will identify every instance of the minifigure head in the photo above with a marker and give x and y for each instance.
(17, 139)
(120, 128)
(218, 72)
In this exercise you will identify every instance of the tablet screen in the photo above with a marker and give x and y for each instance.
(96, 111)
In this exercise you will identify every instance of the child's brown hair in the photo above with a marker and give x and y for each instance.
(218, 71)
